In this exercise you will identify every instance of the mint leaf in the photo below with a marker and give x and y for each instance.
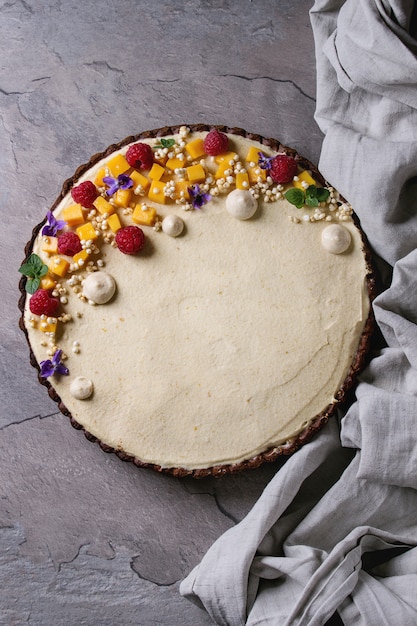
(165, 143)
(33, 269)
(295, 196)
(322, 194)
(32, 285)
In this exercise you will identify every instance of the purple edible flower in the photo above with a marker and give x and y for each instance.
(198, 197)
(121, 182)
(53, 226)
(264, 162)
(54, 366)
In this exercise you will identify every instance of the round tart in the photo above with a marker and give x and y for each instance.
(197, 299)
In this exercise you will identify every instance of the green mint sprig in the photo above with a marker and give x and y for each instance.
(165, 143)
(311, 197)
(33, 269)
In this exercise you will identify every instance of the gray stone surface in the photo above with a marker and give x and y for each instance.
(86, 539)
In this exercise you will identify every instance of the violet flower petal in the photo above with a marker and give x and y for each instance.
(47, 368)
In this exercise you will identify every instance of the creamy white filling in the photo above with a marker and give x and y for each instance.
(218, 344)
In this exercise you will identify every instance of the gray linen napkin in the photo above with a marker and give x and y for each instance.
(336, 528)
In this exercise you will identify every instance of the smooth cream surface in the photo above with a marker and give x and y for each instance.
(219, 343)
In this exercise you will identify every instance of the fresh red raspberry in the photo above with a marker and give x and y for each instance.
(69, 243)
(283, 169)
(215, 143)
(85, 194)
(41, 303)
(130, 239)
(140, 156)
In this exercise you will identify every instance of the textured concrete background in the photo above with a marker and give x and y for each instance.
(86, 539)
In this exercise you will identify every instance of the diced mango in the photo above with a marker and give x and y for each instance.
(304, 177)
(222, 169)
(102, 172)
(47, 327)
(255, 173)
(196, 173)
(226, 157)
(114, 222)
(156, 172)
(139, 179)
(242, 180)
(103, 206)
(47, 282)
(58, 266)
(117, 165)
(50, 244)
(122, 197)
(145, 217)
(181, 189)
(73, 215)
(87, 232)
(195, 148)
(253, 155)
(80, 256)
(175, 163)
(156, 192)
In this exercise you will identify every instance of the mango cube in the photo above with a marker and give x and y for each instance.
(195, 148)
(58, 266)
(256, 173)
(122, 197)
(222, 169)
(80, 256)
(73, 215)
(103, 206)
(175, 163)
(114, 222)
(87, 232)
(47, 282)
(196, 173)
(117, 165)
(47, 327)
(156, 192)
(242, 180)
(156, 172)
(145, 217)
(102, 172)
(139, 179)
(225, 157)
(253, 155)
(304, 177)
(50, 244)
(181, 189)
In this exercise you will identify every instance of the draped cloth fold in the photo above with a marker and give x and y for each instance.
(336, 528)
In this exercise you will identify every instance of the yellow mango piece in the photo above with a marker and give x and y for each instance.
(122, 197)
(222, 169)
(114, 222)
(196, 173)
(175, 163)
(99, 177)
(304, 177)
(242, 180)
(47, 282)
(117, 165)
(195, 148)
(181, 189)
(145, 217)
(58, 266)
(80, 256)
(87, 232)
(156, 192)
(139, 179)
(255, 173)
(50, 244)
(103, 206)
(73, 215)
(47, 327)
(226, 157)
(253, 155)
(156, 172)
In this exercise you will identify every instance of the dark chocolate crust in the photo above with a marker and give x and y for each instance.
(274, 453)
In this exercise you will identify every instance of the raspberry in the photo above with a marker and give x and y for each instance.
(215, 143)
(41, 303)
(85, 194)
(69, 243)
(140, 156)
(283, 169)
(130, 239)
